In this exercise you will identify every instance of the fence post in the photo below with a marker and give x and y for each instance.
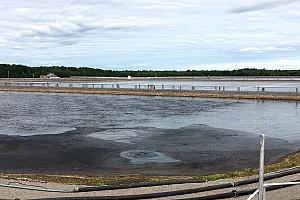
(261, 167)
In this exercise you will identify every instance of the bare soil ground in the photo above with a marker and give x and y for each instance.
(287, 96)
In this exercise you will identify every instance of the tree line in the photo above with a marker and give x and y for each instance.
(22, 71)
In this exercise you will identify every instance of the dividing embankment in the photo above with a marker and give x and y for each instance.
(289, 96)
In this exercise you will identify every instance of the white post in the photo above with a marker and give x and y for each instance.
(261, 167)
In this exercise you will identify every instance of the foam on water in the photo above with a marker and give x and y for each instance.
(34, 131)
(129, 136)
(139, 157)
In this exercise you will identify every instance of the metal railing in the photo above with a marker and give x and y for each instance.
(263, 186)
(266, 185)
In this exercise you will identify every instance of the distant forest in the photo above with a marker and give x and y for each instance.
(21, 71)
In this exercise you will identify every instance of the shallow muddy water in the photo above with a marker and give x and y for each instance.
(105, 134)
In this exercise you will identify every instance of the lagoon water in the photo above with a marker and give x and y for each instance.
(41, 113)
(271, 86)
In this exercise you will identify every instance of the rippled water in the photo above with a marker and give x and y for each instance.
(41, 113)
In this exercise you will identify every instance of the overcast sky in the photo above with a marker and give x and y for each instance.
(151, 34)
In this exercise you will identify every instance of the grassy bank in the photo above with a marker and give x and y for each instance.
(291, 160)
(286, 96)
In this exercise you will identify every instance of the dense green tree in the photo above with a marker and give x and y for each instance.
(22, 71)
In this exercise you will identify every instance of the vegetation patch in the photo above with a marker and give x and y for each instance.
(291, 160)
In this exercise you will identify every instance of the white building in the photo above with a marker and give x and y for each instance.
(50, 75)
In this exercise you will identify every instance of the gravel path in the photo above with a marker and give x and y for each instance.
(9, 193)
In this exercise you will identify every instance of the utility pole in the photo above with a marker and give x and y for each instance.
(7, 74)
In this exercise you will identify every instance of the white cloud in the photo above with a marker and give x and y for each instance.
(264, 5)
(267, 49)
(156, 33)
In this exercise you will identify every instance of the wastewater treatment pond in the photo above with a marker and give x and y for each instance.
(103, 134)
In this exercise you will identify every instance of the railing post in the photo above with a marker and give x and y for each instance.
(261, 167)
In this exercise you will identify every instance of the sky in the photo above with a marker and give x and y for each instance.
(151, 34)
